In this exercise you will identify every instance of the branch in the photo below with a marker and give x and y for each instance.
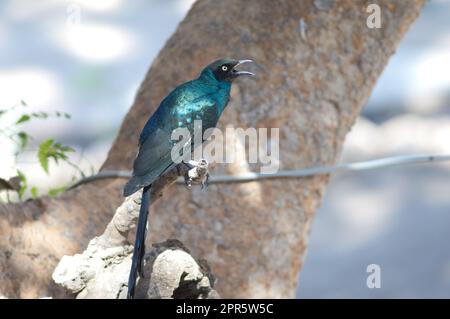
(101, 271)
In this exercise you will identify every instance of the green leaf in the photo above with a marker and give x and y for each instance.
(34, 192)
(56, 191)
(39, 115)
(68, 149)
(22, 177)
(23, 103)
(56, 151)
(44, 153)
(63, 148)
(23, 137)
(23, 118)
(67, 115)
(23, 184)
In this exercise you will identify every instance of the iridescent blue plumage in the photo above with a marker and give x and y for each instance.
(187, 99)
(203, 99)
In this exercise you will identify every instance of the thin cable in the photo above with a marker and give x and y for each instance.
(296, 173)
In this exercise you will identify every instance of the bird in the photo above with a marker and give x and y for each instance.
(203, 98)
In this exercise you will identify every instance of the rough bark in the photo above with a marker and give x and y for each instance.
(316, 63)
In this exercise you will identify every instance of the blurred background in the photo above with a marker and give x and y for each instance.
(88, 58)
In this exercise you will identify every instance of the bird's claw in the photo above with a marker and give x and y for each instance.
(197, 173)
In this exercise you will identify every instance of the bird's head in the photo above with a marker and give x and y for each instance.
(224, 70)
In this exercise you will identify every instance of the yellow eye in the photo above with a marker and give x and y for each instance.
(224, 68)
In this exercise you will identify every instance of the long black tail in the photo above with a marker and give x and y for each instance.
(139, 244)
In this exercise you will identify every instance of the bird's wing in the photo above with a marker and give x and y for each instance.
(151, 163)
(155, 152)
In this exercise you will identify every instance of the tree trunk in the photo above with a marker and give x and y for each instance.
(317, 62)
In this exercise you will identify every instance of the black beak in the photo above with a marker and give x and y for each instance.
(237, 73)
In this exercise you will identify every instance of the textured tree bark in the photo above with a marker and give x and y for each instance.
(317, 62)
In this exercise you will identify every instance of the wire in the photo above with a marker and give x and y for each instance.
(101, 175)
(295, 173)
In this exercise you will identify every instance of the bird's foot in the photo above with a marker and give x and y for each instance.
(197, 173)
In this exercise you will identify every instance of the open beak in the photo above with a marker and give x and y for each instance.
(237, 72)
